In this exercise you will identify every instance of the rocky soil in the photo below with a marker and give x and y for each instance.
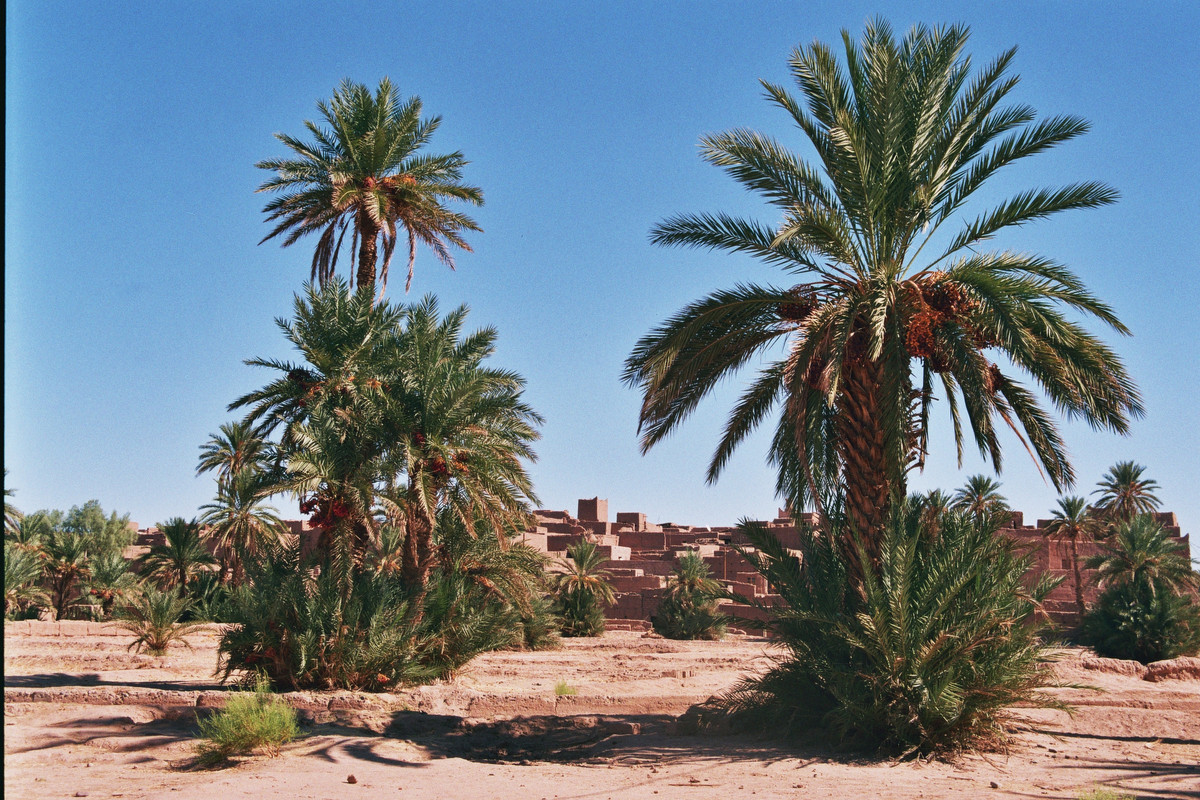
(86, 718)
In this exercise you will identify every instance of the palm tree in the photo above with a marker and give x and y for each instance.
(1124, 493)
(237, 448)
(240, 522)
(1140, 552)
(690, 578)
(465, 430)
(153, 617)
(180, 558)
(110, 580)
(580, 589)
(896, 301)
(67, 563)
(363, 171)
(330, 410)
(12, 514)
(980, 495)
(394, 411)
(1071, 521)
(31, 531)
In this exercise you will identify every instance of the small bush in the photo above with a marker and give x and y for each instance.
(924, 657)
(153, 616)
(564, 689)
(1104, 794)
(250, 721)
(689, 611)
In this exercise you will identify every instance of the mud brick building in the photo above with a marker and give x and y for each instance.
(641, 555)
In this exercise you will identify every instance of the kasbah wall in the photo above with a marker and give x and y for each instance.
(641, 556)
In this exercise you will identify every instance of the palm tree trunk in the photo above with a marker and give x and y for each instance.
(418, 543)
(864, 459)
(1078, 573)
(368, 232)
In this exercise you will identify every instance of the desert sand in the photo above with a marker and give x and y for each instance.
(85, 718)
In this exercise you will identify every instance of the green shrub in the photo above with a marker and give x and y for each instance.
(926, 658)
(295, 623)
(250, 721)
(1134, 621)
(303, 628)
(1104, 794)
(210, 598)
(579, 613)
(689, 610)
(564, 689)
(539, 626)
(154, 617)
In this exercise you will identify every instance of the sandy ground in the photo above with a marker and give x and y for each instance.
(85, 718)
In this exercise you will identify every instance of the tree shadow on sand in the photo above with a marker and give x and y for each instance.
(62, 680)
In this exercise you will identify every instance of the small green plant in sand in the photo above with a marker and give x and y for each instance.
(250, 721)
(1103, 794)
(564, 689)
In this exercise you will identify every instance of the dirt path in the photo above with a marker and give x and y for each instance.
(85, 718)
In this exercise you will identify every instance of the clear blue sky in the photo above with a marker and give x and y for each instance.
(135, 286)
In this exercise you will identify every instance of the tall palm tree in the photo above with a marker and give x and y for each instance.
(180, 558)
(240, 522)
(362, 171)
(1141, 552)
(1124, 493)
(1071, 521)
(394, 412)
(67, 564)
(980, 495)
(896, 298)
(237, 448)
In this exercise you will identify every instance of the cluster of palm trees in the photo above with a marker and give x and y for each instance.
(390, 419)
(74, 563)
(1120, 518)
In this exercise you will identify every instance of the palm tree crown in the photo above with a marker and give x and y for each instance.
(242, 524)
(1124, 493)
(583, 572)
(1073, 520)
(180, 558)
(362, 171)
(235, 450)
(1141, 552)
(981, 495)
(896, 299)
